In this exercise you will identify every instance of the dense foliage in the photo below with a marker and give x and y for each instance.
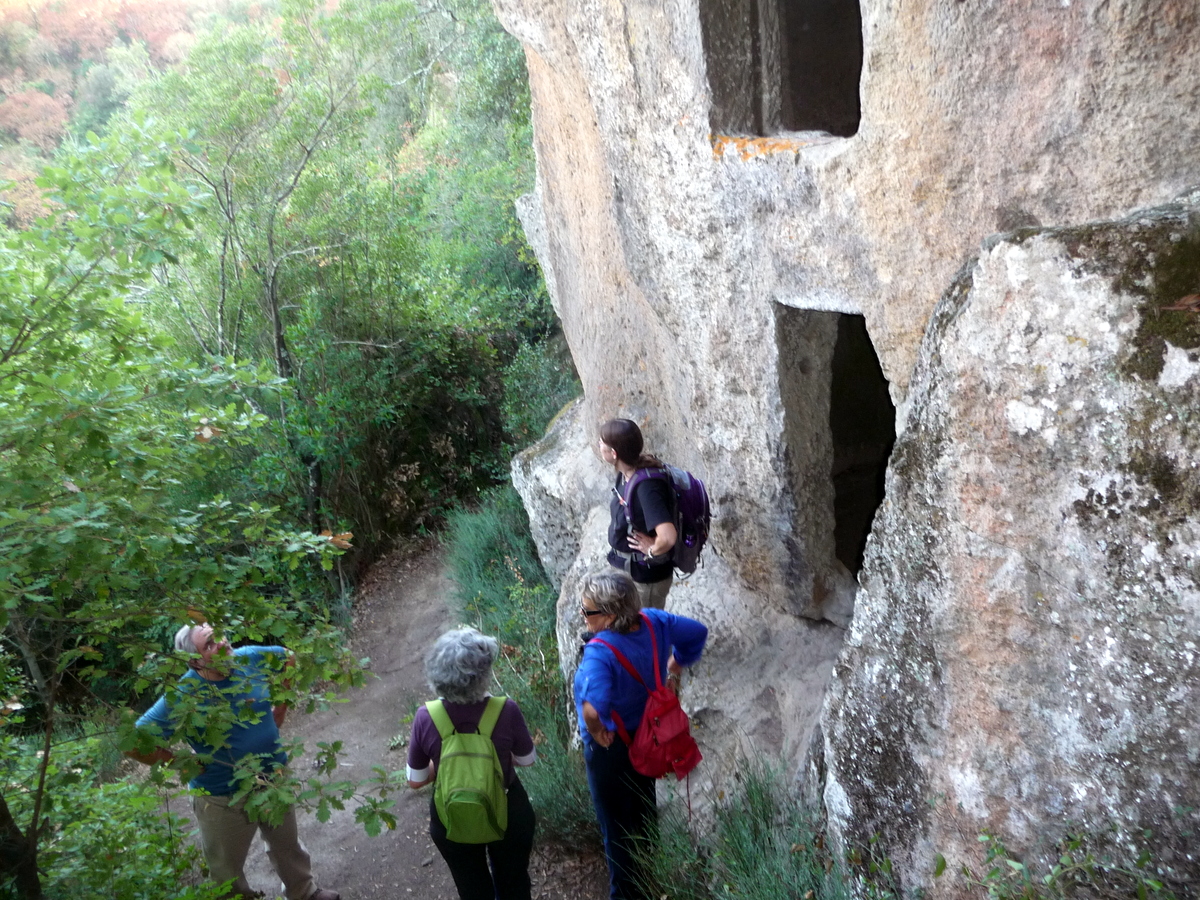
(260, 315)
(379, 273)
(101, 428)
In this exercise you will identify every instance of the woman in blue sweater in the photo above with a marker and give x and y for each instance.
(623, 798)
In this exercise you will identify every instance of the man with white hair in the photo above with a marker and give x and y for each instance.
(230, 687)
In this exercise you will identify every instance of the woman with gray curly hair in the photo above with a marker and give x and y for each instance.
(605, 693)
(459, 670)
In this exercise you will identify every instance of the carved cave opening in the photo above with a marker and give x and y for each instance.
(862, 421)
(783, 65)
(838, 431)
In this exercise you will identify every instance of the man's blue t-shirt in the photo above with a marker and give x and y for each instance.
(603, 682)
(252, 733)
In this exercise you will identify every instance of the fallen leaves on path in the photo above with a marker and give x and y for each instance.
(558, 875)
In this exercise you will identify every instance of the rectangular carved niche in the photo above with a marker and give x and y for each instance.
(783, 65)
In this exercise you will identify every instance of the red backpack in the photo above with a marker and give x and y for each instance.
(663, 742)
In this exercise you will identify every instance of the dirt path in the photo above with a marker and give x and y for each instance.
(401, 609)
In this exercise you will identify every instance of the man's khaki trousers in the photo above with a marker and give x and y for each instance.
(226, 834)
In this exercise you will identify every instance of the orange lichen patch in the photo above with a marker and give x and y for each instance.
(750, 147)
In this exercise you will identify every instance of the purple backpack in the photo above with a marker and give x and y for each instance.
(691, 508)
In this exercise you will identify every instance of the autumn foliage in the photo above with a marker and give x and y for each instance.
(78, 30)
(82, 30)
(153, 22)
(51, 54)
(35, 117)
(46, 48)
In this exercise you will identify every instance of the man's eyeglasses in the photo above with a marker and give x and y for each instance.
(588, 613)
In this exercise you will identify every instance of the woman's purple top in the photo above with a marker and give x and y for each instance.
(511, 737)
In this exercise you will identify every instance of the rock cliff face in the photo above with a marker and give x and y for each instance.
(760, 685)
(1024, 649)
(747, 211)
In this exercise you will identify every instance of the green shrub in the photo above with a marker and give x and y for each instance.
(537, 384)
(490, 549)
(122, 842)
(528, 672)
(103, 839)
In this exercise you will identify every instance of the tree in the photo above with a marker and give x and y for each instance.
(272, 104)
(362, 244)
(259, 203)
(154, 22)
(99, 428)
(35, 117)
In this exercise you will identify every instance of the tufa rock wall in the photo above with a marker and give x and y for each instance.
(1024, 652)
(726, 209)
(677, 255)
(747, 695)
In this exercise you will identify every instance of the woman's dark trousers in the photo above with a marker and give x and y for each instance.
(508, 878)
(626, 809)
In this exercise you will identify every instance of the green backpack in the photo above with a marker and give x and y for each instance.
(469, 791)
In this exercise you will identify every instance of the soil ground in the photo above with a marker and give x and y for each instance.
(400, 610)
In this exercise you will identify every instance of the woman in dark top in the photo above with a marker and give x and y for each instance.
(459, 669)
(642, 550)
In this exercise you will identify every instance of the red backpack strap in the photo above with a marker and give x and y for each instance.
(624, 661)
(621, 729)
(654, 651)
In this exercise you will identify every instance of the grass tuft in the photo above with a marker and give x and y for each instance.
(763, 845)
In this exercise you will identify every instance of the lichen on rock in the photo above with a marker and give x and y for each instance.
(1024, 651)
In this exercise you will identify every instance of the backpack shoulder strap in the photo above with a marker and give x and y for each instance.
(641, 475)
(653, 650)
(637, 478)
(441, 718)
(622, 659)
(491, 715)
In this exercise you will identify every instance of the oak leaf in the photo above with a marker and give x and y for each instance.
(341, 541)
